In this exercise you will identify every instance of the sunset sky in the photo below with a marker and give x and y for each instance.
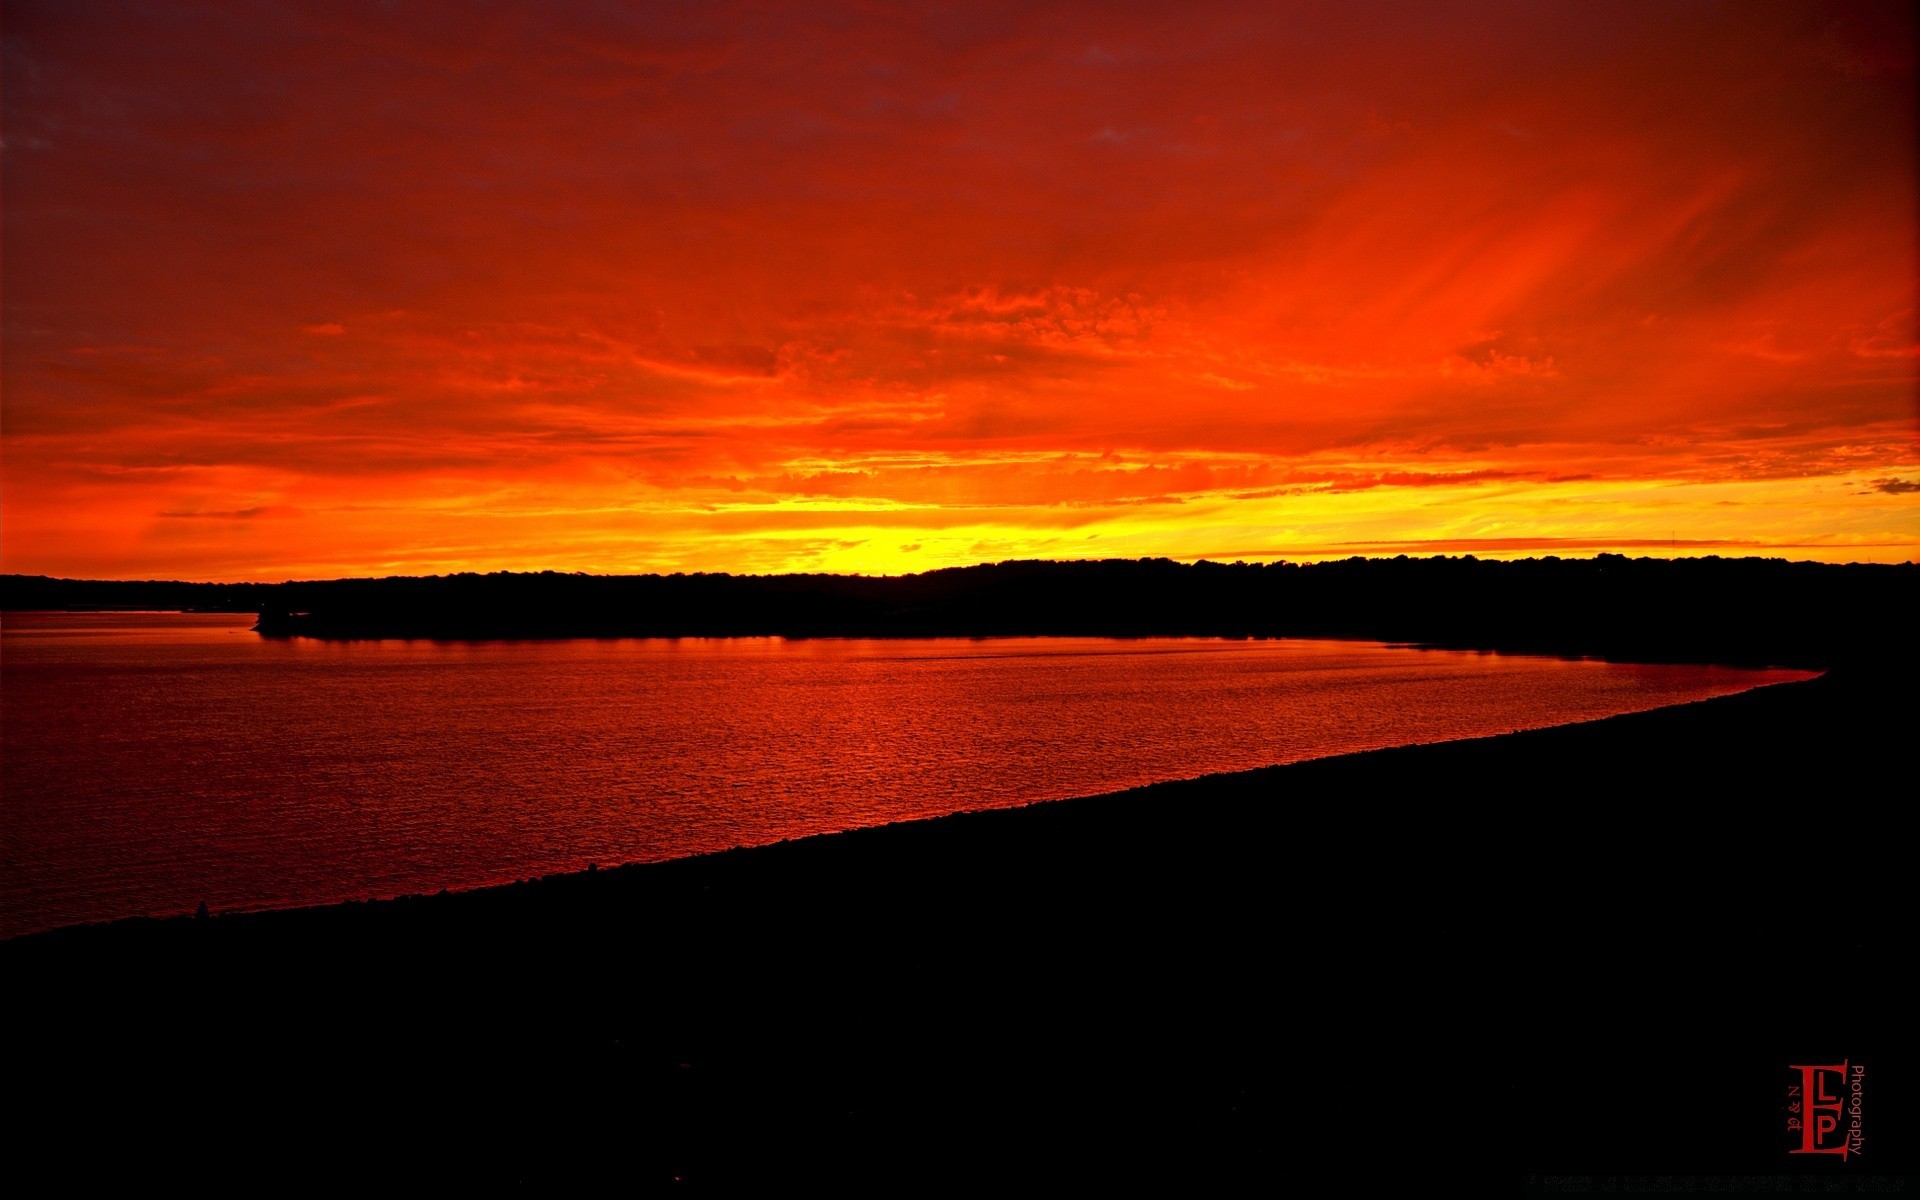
(308, 290)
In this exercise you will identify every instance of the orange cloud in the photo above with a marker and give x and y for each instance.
(759, 288)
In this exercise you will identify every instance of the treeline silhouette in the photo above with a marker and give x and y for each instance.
(28, 593)
(1746, 610)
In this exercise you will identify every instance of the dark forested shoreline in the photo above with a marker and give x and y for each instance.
(1746, 611)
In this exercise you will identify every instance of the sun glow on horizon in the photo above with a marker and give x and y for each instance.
(794, 288)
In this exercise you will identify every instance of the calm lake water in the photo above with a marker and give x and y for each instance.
(155, 760)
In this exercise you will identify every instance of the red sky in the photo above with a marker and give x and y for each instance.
(318, 289)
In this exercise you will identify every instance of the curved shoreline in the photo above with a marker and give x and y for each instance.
(1088, 797)
(1137, 986)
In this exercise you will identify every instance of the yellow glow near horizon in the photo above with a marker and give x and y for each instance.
(781, 292)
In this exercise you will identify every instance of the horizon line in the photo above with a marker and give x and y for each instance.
(1227, 558)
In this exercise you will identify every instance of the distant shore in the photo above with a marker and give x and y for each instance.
(1744, 611)
(1136, 985)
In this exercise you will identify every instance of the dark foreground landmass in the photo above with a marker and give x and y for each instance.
(1747, 610)
(1588, 949)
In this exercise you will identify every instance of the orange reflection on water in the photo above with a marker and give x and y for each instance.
(157, 760)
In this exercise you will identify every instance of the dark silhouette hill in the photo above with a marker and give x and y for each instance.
(1743, 611)
(1737, 610)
